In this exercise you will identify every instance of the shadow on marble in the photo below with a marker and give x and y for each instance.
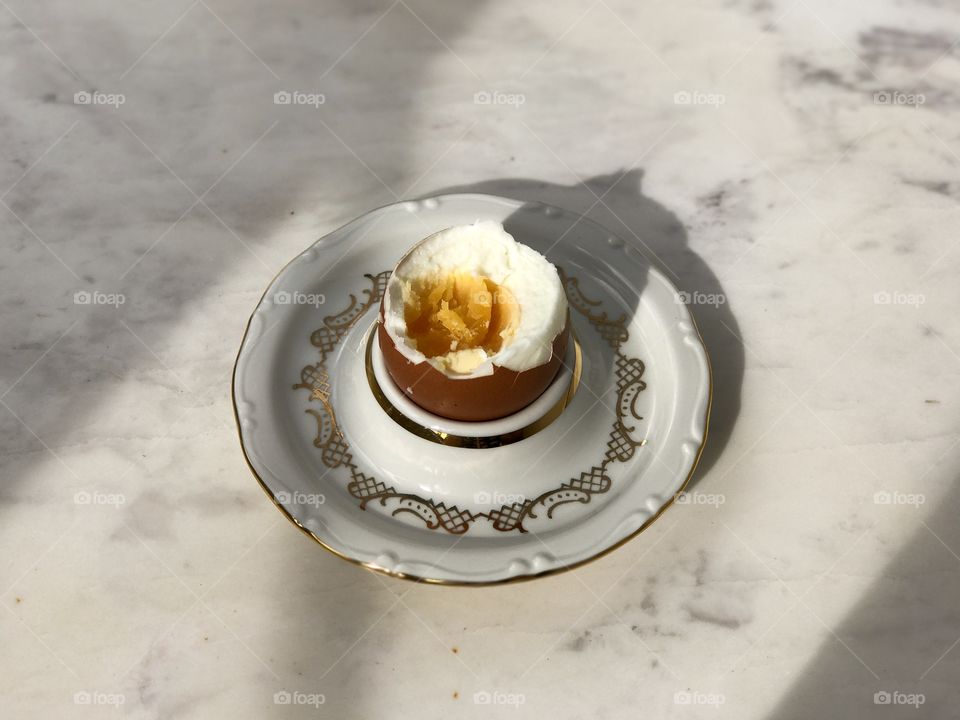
(661, 237)
(902, 638)
(127, 225)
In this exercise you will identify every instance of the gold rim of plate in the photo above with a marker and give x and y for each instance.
(465, 583)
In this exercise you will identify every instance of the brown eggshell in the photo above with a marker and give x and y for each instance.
(493, 396)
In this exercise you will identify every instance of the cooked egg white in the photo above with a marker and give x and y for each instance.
(471, 297)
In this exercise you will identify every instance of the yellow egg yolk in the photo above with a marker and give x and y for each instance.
(459, 311)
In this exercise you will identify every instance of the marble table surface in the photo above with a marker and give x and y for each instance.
(791, 164)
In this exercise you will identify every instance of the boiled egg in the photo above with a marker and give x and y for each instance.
(473, 324)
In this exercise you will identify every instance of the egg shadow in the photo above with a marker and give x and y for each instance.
(617, 202)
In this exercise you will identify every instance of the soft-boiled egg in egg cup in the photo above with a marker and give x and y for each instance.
(473, 324)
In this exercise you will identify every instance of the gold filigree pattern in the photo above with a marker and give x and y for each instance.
(335, 451)
(334, 327)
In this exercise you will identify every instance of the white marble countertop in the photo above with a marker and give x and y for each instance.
(745, 144)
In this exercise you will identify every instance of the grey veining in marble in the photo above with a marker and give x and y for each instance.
(794, 161)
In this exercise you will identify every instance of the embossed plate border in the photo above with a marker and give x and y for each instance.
(451, 576)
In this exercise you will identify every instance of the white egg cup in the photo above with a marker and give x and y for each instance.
(511, 428)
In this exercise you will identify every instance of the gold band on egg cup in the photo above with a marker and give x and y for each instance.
(468, 441)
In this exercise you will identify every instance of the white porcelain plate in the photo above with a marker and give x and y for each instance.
(600, 456)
